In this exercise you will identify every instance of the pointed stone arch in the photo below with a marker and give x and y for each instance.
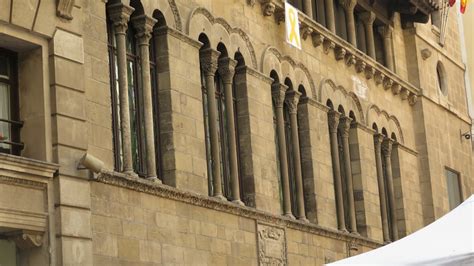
(218, 30)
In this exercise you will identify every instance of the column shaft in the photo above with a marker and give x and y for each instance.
(349, 6)
(308, 8)
(386, 32)
(387, 154)
(292, 101)
(209, 64)
(368, 18)
(120, 15)
(330, 20)
(278, 93)
(345, 127)
(144, 27)
(227, 71)
(378, 138)
(336, 167)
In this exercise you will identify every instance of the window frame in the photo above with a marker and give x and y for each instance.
(459, 180)
(16, 146)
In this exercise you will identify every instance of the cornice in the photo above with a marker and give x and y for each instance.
(348, 54)
(159, 190)
(27, 166)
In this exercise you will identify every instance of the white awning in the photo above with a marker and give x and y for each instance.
(447, 241)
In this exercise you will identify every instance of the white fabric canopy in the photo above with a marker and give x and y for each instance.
(447, 241)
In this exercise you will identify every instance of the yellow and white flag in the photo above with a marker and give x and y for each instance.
(292, 26)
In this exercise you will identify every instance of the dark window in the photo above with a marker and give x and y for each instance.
(319, 12)
(379, 46)
(340, 20)
(454, 189)
(9, 104)
(297, 3)
(135, 98)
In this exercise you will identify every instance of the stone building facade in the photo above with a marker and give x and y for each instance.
(171, 132)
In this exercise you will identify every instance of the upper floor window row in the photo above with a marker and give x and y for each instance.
(366, 29)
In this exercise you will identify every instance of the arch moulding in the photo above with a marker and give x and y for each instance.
(219, 30)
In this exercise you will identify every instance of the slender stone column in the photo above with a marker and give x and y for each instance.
(368, 19)
(349, 6)
(278, 95)
(330, 20)
(119, 14)
(386, 33)
(308, 8)
(209, 65)
(333, 118)
(144, 27)
(345, 126)
(387, 155)
(292, 99)
(227, 71)
(378, 139)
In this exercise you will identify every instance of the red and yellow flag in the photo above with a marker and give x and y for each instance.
(463, 4)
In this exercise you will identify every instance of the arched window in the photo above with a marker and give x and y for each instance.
(135, 99)
(222, 146)
(441, 78)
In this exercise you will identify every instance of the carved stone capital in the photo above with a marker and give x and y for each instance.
(268, 7)
(340, 53)
(360, 66)
(345, 126)
(64, 9)
(378, 139)
(387, 145)
(279, 94)
(318, 39)
(292, 99)
(348, 5)
(26, 239)
(227, 69)
(120, 14)
(209, 63)
(385, 31)
(333, 121)
(367, 18)
(143, 25)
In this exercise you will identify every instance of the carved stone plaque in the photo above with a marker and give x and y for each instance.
(271, 245)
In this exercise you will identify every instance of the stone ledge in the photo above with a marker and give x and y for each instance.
(149, 187)
(27, 166)
(346, 53)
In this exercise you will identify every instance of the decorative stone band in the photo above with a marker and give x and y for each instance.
(364, 64)
(163, 191)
